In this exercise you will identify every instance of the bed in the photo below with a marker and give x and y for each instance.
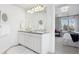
(68, 40)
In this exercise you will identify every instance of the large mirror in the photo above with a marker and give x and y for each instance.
(35, 18)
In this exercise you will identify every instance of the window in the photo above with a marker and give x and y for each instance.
(68, 23)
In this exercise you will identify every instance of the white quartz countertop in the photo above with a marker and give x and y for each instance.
(33, 32)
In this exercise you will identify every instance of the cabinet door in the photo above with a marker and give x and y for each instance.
(25, 40)
(37, 43)
(32, 41)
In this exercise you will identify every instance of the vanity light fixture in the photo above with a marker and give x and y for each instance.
(38, 8)
(29, 11)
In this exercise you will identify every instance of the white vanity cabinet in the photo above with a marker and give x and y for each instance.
(38, 42)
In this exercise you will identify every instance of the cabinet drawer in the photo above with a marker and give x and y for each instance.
(27, 42)
(31, 41)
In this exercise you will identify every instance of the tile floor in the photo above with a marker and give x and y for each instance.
(20, 50)
(62, 49)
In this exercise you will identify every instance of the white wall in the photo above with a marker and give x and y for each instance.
(50, 25)
(15, 15)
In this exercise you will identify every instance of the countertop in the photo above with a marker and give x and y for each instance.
(33, 32)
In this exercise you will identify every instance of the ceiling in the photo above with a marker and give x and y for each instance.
(73, 9)
(26, 6)
(59, 5)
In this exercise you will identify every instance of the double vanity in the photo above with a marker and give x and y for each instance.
(36, 41)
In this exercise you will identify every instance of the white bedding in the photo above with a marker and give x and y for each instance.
(68, 41)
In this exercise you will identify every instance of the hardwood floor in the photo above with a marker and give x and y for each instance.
(62, 49)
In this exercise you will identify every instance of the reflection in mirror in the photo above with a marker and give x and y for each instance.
(35, 19)
(38, 8)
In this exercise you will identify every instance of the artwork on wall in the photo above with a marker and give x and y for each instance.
(3, 18)
(0, 16)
